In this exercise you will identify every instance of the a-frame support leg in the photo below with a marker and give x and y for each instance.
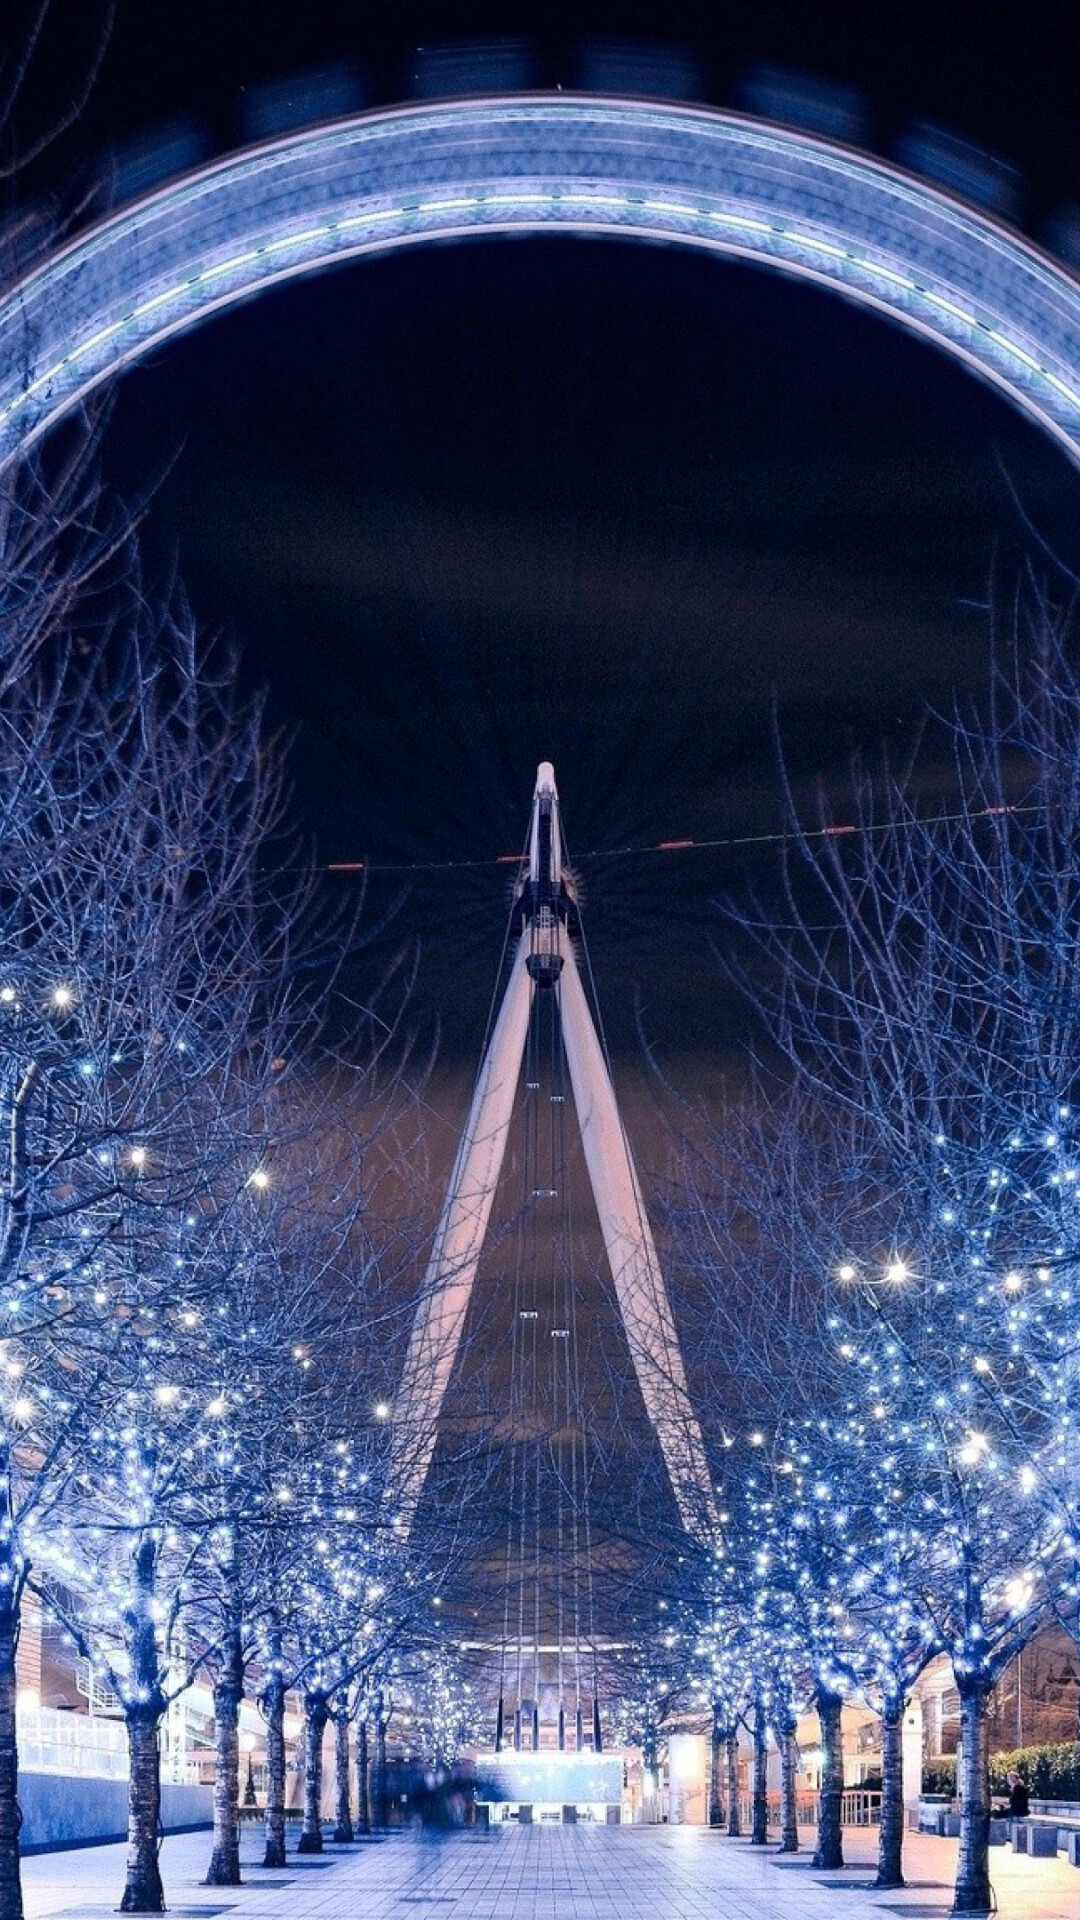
(545, 942)
(631, 1250)
(440, 1316)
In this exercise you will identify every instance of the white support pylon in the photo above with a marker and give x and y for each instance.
(455, 1254)
(635, 1267)
(545, 959)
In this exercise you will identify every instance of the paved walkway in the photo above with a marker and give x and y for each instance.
(557, 1873)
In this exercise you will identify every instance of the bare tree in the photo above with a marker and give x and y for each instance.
(147, 976)
(305, 1322)
(922, 985)
(70, 1065)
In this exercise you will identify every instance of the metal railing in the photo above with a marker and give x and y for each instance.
(80, 1744)
(74, 1743)
(860, 1807)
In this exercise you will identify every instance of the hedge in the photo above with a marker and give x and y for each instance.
(939, 1775)
(1052, 1772)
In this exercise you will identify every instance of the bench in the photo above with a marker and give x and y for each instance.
(1036, 1837)
(1061, 1818)
(1050, 1827)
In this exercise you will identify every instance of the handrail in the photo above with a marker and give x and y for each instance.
(859, 1807)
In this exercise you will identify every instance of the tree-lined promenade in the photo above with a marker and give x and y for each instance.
(881, 1245)
(204, 1309)
(205, 1316)
(201, 1317)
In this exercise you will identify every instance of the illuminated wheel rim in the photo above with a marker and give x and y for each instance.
(541, 164)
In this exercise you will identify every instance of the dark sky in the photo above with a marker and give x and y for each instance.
(470, 507)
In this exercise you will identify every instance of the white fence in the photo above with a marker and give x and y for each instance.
(82, 1744)
(54, 1742)
(860, 1807)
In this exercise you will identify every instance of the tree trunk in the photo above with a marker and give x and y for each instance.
(734, 1825)
(759, 1831)
(316, 1714)
(829, 1852)
(273, 1700)
(343, 1828)
(224, 1869)
(143, 1892)
(363, 1784)
(716, 1794)
(382, 1808)
(973, 1866)
(651, 1762)
(11, 1904)
(789, 1766)
(890, 1871)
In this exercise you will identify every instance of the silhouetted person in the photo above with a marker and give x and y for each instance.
(1019, 1799)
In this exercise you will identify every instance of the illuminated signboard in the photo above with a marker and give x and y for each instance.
(564, 1779)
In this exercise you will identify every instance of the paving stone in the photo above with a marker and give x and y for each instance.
(580, 1872)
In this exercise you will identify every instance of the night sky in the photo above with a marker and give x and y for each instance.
(615, 506)
(470, 507)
